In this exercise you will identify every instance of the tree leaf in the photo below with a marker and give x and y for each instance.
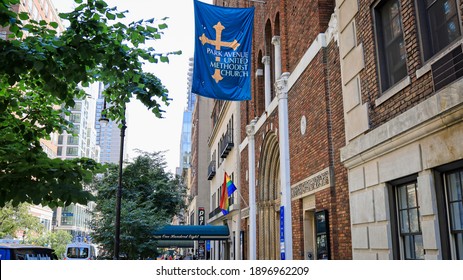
(110, 16)
(23, 16)
(54, 24)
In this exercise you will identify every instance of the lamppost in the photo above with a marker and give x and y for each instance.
(117, 223)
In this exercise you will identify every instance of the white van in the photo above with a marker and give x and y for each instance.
(81, 251)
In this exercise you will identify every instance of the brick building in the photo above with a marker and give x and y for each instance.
(401, 64)
(293, 130)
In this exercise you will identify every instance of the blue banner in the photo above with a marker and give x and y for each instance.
(222, 58)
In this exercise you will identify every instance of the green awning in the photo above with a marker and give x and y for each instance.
(192, 232)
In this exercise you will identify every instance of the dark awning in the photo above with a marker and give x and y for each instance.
(191, 232)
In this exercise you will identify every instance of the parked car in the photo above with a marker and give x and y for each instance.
(14, 251)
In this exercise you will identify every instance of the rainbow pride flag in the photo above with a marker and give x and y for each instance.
(228, 188)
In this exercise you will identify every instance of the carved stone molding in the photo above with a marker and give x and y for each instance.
(266, 60)
(251, 128)
(276, 40)
(312, 184)
(281, 86)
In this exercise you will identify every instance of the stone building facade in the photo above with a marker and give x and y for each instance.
(401, 64)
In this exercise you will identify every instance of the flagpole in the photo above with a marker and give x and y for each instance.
(239, 192)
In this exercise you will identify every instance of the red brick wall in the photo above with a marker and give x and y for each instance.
(316, 95)
(419, 90)
(302, 22)
(307, 98)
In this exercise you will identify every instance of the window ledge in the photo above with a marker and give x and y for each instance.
(393, 91)
(423, 70)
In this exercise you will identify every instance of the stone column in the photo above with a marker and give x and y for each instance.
(250, 131)
(282, 93)
(268, 81)
(277, 48)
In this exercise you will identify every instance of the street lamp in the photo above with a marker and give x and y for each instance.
(117, 224)
(119, 191)
(103, 119)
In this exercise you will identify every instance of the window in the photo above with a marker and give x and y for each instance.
(454, 188)
(214, 201)
(192, 218)
(77, 106)
(60, 139)
(77, 252)
(75, 129)
(390, 41)
(411, 238)
(439, 25)
(72, 151)
(73, 140)
(75, 118)
(407, 237)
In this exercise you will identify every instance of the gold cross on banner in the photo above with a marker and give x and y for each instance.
(218, 43)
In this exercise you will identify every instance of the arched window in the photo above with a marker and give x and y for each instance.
(259, 91)
(270, 52)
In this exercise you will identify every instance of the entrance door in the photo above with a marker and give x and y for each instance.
(309, 235)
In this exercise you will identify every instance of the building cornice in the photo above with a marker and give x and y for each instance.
(428, 117)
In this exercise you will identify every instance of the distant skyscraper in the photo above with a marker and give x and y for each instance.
(80, 142)
(185, 141)
(73, 144)
(108, 136)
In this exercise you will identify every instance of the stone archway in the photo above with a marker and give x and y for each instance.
(268, 200)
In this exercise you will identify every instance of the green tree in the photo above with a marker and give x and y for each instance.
(16, 220)
(150, 198)
(57, 240)
(44, 71)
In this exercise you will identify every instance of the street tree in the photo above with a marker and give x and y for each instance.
(43, 71)
(150, 199)
(17, 222)
(57, 240)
